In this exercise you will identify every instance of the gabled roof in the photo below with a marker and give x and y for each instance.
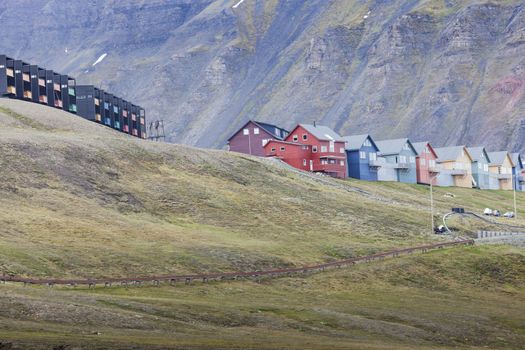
(450, 153)
(516, 159)
(476, 152)
(497, 158)
(322, 132)
(269, 128)
(420, 147)
(274, 129)
(355, 142)
(395, 146)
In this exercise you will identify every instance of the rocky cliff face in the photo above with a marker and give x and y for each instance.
(447, 71)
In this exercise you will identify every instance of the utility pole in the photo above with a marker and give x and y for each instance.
(514, 190)
(431, 205)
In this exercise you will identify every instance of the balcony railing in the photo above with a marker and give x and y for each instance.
(402, 166)
(11, 90)
(26, 77)
(42, 99)
(458, 172)
(521, 178)
(434, 169)
(41, 82)
(504, 176)
(28, 94)
(374, 163)
(10, 72)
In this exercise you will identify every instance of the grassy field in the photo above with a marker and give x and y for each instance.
(460, 297)
(80, 200)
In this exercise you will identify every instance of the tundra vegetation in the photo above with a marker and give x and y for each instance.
(81, 200)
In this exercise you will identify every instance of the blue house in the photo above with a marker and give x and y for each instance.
(361, 156)
(480, 167)
(398, 161)
(519, 183)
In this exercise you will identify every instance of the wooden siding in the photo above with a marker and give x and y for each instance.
(463, 162)
(501, 169)
(251, 143)
(323, 160)
(424, 175)
(359, 168)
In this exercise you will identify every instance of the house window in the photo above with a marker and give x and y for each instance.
(406, 147)
(423, 161)
(402, 159)
(372, 156)
(480, 166)
(273, 149)
(367, 143)
(427, 150)
(342, 150)
(264, 142)
(246, 131)
(323, 149)
(256, 131)
(362, 155)
(324, 161)
(332, 161)
(305, 137)
(431, 163)
(485, 167)
(282, 148)
(295, 138)
(332, 146)
(314, 149)
(412, 159)
(342, 162)
(304, 162)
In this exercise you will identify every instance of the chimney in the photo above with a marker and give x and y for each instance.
(315, 124)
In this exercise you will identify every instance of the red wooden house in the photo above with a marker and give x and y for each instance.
(426, 167)
(313, 148)
(253, 136)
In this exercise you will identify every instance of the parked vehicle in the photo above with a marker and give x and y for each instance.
(487, 211)
(496, 213)
(509, 214)
(440, 229)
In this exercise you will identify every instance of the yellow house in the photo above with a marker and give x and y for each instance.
(455, 166)
(500, 170)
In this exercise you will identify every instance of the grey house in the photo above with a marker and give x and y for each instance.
(398, 161)
(480, 167)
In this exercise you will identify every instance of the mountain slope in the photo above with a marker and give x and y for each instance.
(447, 71)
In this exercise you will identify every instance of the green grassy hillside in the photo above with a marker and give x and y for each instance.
(80, 200)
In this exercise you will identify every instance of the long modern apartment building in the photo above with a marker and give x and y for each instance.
(102, 107)
(24, 81)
